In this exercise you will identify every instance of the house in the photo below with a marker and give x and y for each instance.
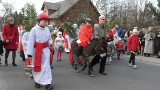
(70, 10)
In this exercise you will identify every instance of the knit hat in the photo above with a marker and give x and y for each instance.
(135, 30)
(119, 39)
(43, 16)
(59, 33)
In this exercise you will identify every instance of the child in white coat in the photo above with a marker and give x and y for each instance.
(59, 45)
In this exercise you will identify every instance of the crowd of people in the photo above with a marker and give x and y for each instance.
(37, 47)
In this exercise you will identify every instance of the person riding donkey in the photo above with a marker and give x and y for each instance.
(84, 38)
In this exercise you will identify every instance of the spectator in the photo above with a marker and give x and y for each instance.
(11, 38)
(1, 49)
(158, 43)
(119, 31)
(149, 42)
(142, 40)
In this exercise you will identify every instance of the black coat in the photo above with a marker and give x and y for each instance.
(1, 46)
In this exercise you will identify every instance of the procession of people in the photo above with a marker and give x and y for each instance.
(37, 46)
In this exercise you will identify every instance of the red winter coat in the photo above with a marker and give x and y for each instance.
(110, 34)
(133, 43)
(120, 45)
(10, 34)
(85, 35)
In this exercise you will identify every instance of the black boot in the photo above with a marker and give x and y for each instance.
(51, 65)
(148, 55)
(49, 87)
(145, 54)
(13, 63)
(6, 62)
(37, 85)
(158, 57)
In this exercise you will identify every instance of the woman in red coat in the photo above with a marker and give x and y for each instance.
(11, 38)
(133, 46)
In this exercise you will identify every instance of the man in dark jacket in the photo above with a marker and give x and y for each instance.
(158, 43)
(1, 49)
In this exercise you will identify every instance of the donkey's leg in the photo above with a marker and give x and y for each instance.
(73, 62)
(85, 64)
(90, 67)
(76, 64)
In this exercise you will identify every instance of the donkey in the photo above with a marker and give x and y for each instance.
(96, 46)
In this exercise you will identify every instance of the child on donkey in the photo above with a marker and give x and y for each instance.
(1, 49)
(59, 45)
(119, 45)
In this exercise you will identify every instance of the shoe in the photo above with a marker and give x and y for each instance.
(14, 64)
(129, 64)
(103, 73)
(118, 58)
(51, 67)
(37, 85)
(158, 57)
(135, 66)
(30, 77)
(49, 87)
(90, 73)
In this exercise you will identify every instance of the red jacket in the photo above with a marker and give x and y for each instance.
(110, 34)
(120, 45)
(85, 35)
(133, 43)
(10, 34)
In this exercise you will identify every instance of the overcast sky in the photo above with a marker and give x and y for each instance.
(18, 4)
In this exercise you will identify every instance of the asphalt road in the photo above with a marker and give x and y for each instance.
(120, 77)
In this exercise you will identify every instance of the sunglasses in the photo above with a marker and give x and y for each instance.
(103, 19)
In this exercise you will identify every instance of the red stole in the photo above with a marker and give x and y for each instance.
(38, 55)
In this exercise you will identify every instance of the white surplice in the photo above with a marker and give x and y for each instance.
(25, 39)
(41, 35)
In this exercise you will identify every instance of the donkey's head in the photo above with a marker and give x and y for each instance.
(101, 46)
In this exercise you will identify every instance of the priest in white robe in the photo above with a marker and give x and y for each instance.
(38, 51)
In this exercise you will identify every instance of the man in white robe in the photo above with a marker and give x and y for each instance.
(38, 49)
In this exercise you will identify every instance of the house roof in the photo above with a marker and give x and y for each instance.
(53, 6)
(61, 7)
